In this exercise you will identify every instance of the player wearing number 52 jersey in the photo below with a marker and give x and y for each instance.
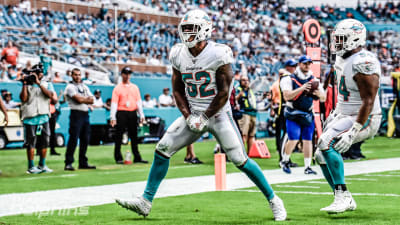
(202, 83)
(358, 113)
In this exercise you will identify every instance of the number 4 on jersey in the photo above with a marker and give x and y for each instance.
(343, 90)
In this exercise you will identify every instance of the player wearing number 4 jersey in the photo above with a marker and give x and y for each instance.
(358, 113)
(202, 82)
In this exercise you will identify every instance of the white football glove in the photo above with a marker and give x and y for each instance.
(346, 139)
(197, 123)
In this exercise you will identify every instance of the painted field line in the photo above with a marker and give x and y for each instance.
(46, 177)
(363, 179)
(20, 203)
(325, 193)
(144, 170)
(318, 182)
(381, 175)
(297, 186)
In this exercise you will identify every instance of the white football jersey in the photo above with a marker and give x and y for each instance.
(349, 100)
(198, 73)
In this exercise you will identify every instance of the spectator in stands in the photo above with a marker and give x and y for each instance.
(25, 6)
(4, 72)
(35, 111)
(3, 94)
(57, 78)
(165, 99)
(87, 79)
(19, 72)
(9, 103)
(149, 102)
(103, 12)
(298, 112)
(75, 59)
(67, 77)
(10, 54)
(98, 101)
(247, 101)
(125, 104)
(107, 106)
(12, 74)
(79, 98)
(46, 61)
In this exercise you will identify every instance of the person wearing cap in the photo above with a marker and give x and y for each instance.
(98, 101)
(126, 102)
(79, 99)
(9, 103)
(165, 99)
(299, 94)
(148, 102)
(278, 104)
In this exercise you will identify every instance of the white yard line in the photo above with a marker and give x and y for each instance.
(318, 182)
(19, 203)
(325, 193)
(363, 179)
(46, 177)
(297, 186)
(381, 175)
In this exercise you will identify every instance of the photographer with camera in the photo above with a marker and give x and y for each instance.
(35, 112)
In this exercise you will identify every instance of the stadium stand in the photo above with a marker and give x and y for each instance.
(260, 43)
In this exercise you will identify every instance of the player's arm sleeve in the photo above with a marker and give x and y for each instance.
(139, 104)
(366, 65)
(224, 56)
(173, 57)
(286, 84)
(70, 91)
(114, 104)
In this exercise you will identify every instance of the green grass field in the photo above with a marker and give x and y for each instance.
(230, 207)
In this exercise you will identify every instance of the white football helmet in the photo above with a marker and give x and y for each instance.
(195, 23)
(348, 34)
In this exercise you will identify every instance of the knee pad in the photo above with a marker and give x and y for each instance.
(163, 148)
(319, 157)
(237, 157)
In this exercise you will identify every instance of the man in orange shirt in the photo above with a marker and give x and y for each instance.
(10, 54)
(125, 103)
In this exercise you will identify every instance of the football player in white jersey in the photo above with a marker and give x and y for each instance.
(202, 83)
(358, 113)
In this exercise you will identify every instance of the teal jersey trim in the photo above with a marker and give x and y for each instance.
(37, 120)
